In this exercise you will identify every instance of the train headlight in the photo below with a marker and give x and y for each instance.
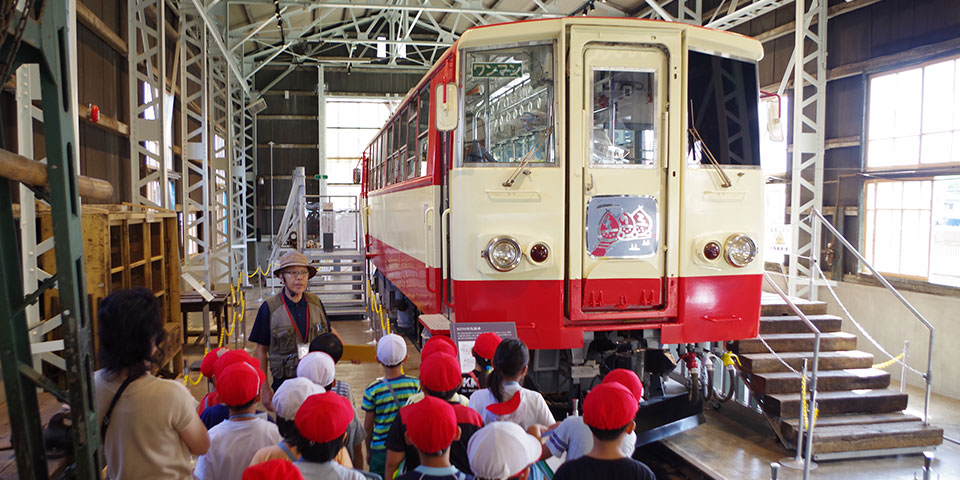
(740, 249)
(503, 254)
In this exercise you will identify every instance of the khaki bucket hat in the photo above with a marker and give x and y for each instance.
(294, 259)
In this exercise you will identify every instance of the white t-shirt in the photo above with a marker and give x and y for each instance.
(533, 408)
(327, 471)
(574, 437)
(143, 440)
(233, 443)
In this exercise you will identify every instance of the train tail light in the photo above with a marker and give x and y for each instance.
(539, 252)
(740, 249)
(712, 251)
(503, 254)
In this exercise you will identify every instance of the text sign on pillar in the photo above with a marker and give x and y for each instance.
(465, 334)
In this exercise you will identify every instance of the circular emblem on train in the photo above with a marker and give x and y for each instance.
(622, 226)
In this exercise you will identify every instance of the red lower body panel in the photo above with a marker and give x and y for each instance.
(421, 284)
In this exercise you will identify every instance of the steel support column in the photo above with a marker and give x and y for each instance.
(690, 11)
(149, 162)
(250, 178)
(221, 258)
(809, 104)
(238, 181)
(48, 43)
(322, 128)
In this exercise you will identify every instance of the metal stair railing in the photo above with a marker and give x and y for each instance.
(820, 220)
(808, 449)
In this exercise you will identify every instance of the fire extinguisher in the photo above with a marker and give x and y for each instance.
(94, 113)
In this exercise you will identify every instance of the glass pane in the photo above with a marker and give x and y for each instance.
(868, 239)
(880, 154)
(882, 111)
(945, 252)
(887, 244)
(871, 195)
(624, 118)
(889, 194)
(906, 150)
(936, 148)
(508, 96)
(915, 243)
(938, 89)
(908, 101)
(424, 109)
(423, 157)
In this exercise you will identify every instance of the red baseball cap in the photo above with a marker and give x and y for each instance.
(239, 383)
(486, 345)
(609, 406)
(627, 378)
(440, 372)
(207, 367)
(276, 469)
(324, 417)
(435, 345)
(431, 424)
(231, 357)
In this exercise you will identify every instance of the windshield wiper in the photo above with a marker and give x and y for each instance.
(724, 179)
(529, 156)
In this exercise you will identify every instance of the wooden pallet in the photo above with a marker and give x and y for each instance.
(127, 247)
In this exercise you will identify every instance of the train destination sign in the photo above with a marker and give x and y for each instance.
(497, 70)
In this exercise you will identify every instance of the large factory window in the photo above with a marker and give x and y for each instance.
(508, 105)
(351, 125)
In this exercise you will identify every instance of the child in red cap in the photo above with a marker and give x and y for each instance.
(573, 437)
(322, 421)
(439, 378)
(608, 410)
(331, 344)
(234, 441)
(207, 370)
(216, 413)
(432, 427)
(277, 469)
(483, 349)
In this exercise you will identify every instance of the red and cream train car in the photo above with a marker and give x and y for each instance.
(580, 177)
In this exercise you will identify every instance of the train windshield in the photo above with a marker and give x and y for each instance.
(624, 118)
(508, 105)
(724, 96)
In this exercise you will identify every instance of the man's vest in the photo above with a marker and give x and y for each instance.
(282, 356)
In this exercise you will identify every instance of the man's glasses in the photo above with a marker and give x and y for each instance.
(296, 273)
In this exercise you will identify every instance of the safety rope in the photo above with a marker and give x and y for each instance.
(238, 299)
(803, 405)
(780, 359)
(260, 272)
(895, 359)
(886, 364)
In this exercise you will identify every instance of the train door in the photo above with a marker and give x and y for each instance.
(622, 156)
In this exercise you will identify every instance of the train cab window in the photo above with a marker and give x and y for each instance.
(624, 118)
(508, 97)
(412, 141)
(724, 96)
(423, 130)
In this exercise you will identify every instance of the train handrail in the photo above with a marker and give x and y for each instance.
(928, 376)
(444, 291)
(429, 242)
(808, 449)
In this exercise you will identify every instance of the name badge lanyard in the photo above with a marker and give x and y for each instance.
(303, 336)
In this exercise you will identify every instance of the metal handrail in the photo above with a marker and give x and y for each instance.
(813, 374)
(928, 377)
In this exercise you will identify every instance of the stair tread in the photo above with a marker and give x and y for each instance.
(794, 324)
(855, 419)
(802, 355)
(803, 336)
(846, 372)
(839, 395)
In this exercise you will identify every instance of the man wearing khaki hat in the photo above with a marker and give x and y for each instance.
(287, 322)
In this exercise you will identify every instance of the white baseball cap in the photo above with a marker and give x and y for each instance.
(291, 394)
(501, 450)
(318, 367)
(391, 350)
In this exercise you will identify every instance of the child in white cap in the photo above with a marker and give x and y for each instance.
(502, 450)
(383, 398)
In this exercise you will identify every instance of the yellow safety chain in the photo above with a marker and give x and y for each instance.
(238, 298)
(803, 405)
(260, 272)
(888, 362)
(729, 359)
(377, 309)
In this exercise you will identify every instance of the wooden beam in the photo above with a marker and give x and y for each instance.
(90, 20)
(107, 123)
(31, 172)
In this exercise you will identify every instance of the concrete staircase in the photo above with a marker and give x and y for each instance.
(858, 415)
(340, 281)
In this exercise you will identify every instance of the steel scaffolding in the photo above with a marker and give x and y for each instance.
(809, 107)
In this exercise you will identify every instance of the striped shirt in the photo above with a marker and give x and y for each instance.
(378, 399)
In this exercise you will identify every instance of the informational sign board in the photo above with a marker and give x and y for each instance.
(465, 334)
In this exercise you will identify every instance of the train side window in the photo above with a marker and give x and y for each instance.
(412, 140)
(403, 131)
(624, 118)
(424, 130)
(730, 126)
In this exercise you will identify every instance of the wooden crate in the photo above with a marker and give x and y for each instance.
(127, 247)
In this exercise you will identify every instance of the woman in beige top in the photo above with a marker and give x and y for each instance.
(153, 428)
